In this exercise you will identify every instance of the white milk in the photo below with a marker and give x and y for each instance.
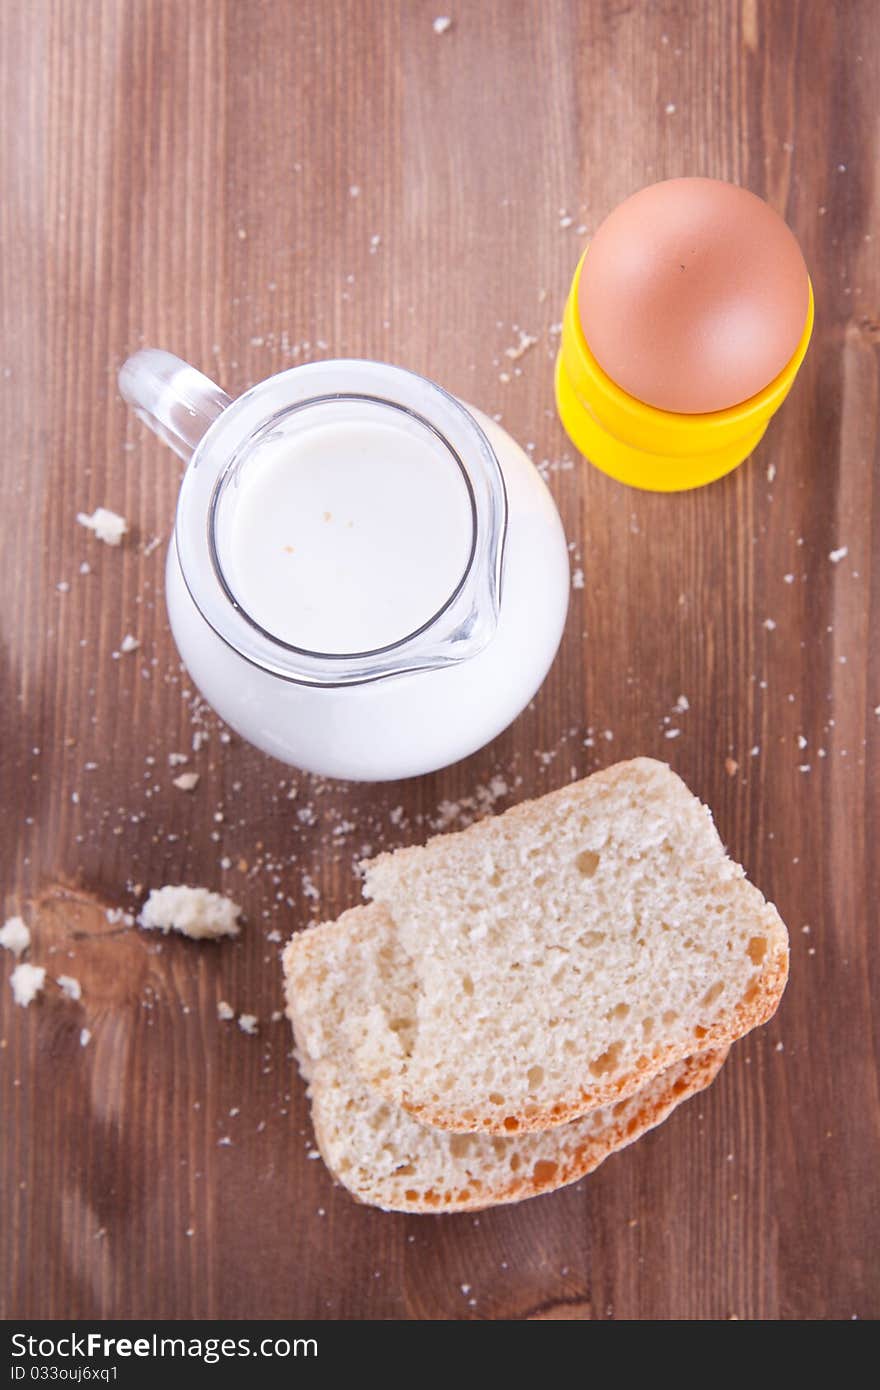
(348, 533)
(409, 724)
(366, 580)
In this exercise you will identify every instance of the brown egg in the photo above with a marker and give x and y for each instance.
(693, 295)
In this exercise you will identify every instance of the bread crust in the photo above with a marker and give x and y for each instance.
(756, 1005)
(697, 1072)
(747, 1015)
(686, 1080)
(768, 987)
(606, 780)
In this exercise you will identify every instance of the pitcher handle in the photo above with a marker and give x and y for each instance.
(177, 402)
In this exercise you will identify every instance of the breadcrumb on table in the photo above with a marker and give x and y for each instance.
(194, 912)
(26, 982)
(107, 526)
(15, 936)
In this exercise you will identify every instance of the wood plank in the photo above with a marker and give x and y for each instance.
(183, 175)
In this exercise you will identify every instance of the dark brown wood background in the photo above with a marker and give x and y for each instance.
(179, 174)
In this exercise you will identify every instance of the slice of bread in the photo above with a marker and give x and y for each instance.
(562, 954)
(381, 1153)
(343, 978)
(387, 1159)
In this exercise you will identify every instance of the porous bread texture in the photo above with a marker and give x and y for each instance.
(194, 912)
(563, 954)
(386, 1158)
(342, 979)
(383, 1155)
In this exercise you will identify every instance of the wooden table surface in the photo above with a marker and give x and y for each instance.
(254, 184)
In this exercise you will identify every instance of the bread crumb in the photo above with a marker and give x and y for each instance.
(769, 624)
(672, 733)
(129, 643)
(731, 766)
(526, 341)
(682, 704)
(835, 556)
(176, 759)
(26, 982)
(442, 24)
(107, 526)
(14, 936)
(771, 472)
(70, 986)
(195, 912)
(225, 1011)
(115, 915)
(670, 108)
(186, 782)
(470, 808)
(85, 1037)
(248, 1023)
(577, 579)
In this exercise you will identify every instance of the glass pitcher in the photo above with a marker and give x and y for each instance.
(367, 579)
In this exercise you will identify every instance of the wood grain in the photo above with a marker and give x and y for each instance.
(181, 174)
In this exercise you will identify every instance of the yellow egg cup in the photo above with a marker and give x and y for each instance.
(657, 450)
